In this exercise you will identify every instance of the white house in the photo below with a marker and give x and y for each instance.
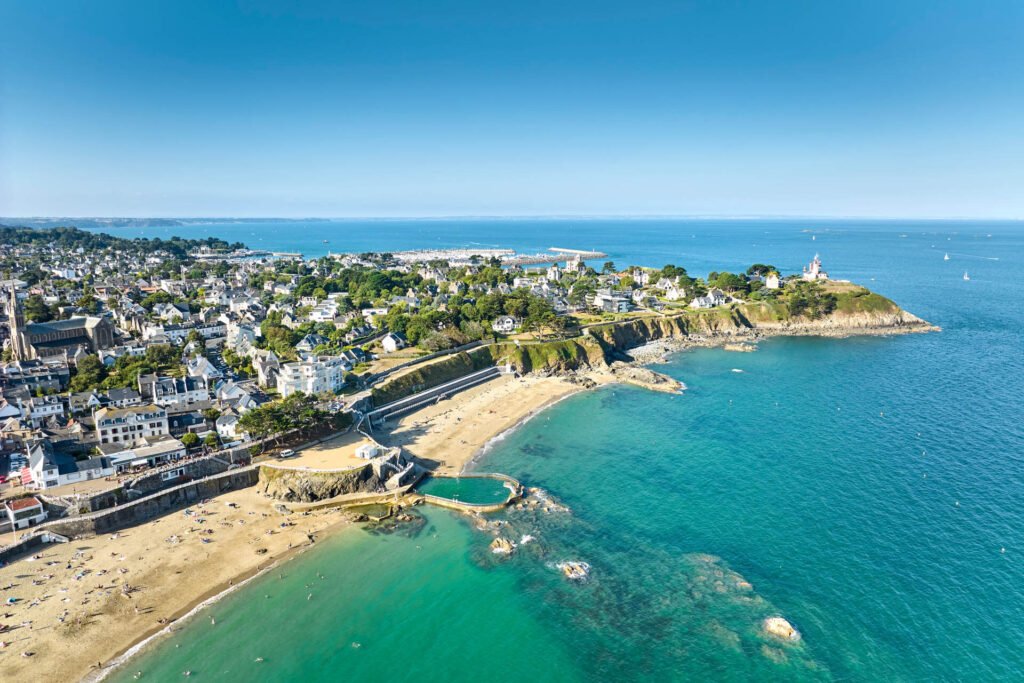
(714, 298)
(49, 468)
(24, 512)
(227, 427)
(641, 277)
(392, 342)
(505, 324)
(370, 313)
(675, 293)
(325, 311)
(173, 391)
(771, 281)
(202, 367)
(39, 409)
(314, 375)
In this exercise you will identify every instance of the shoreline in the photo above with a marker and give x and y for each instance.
(73, 623)
(500, 436)
(211, 597)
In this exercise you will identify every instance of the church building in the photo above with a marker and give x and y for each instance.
(57, 337)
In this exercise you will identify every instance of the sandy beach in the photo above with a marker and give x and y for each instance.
(447, 435)
(83, 603)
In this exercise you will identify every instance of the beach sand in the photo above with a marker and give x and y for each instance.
(447, 435)
(82, 581)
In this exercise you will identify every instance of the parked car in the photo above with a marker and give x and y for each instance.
(285, 454)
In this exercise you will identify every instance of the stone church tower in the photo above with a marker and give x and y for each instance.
(16, 321)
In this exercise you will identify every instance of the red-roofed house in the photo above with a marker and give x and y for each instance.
(25, 512)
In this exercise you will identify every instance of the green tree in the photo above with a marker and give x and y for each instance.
(190, 440)
(89, 374)
(89, 303)
(36, 310)
(211, 440)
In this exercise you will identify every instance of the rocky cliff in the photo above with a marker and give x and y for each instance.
(385, 473)
(871, 314)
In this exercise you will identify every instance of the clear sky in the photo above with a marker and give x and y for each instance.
(440, 107)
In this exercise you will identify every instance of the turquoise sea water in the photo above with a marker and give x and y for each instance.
(864, 488)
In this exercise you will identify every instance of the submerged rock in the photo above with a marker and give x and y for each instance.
(502, 546)
(780, 628)
(574, 571)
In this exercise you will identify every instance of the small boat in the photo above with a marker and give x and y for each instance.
(325, 241)
(946, 257)
(966, 276)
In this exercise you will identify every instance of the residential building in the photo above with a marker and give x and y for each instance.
(50, 468)
(505, 324)
(200, 366)
(392, 342)
(24, 512)
(39, 409)
(170, 391)
(314, 375)
(117, 425)
(611, 301)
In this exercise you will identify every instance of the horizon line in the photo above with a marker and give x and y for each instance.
(555, 216)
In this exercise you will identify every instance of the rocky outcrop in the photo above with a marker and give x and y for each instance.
(644, 378)
(379, 475)
(780, 628)
(502, 546)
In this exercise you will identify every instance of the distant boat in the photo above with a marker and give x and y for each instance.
(325, 241)
(813, 237)
(946, 257)
(966, 276)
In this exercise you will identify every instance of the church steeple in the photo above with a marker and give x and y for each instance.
(16, 322)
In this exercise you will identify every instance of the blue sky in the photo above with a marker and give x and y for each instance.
(217, 108)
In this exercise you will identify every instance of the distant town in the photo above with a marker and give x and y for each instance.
(126, 357)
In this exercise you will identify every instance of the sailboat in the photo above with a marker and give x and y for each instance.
(966, 276)
(946, 257)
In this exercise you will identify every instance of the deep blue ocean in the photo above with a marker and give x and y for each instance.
(869, 490)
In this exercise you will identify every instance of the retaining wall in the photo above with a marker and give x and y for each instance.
(155, 505)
